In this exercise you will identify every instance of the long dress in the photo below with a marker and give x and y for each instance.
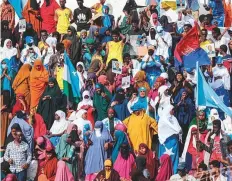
(143, 124)
(47, 108)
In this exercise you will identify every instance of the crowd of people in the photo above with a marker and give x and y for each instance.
(149, 128)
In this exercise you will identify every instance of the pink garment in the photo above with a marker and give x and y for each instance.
(155, 22)
(153, 93)
(39, 126)
(124, 167)
(216, 152)
(102, 79)
(63, 173)
(90, 177)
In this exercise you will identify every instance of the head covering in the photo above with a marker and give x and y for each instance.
(85, 101)
(7, 53)
(29, 39)
(102, 79)
(10, 177)
(154, 23)
(121, 127)
(166, 170)
(63, 173)
(92, 30)
(140, 163)
(89, 41)
(51, 41)
(60, 125)
(164, 75)
(106, 17)
(181, 166)
(98, 124)
(52, 91)
(140, 76)
(80, 113)
(40, 140)
(108, 163)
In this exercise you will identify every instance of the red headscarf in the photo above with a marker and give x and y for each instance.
(18, 105)
(10, 177)
(166, 170)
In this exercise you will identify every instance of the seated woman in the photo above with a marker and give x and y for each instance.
(66, 150)
(108, 174)
(165, 170)
(20, 105)
(124, 162)
(48, 172)
(63, 173)
(58, 128)
(51, 101)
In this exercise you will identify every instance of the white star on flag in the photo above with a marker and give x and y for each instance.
(74, 73)
(168, 151)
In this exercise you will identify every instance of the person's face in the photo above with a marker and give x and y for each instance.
(182, 173)
(206, 21)
(84, 116)
(201, 116)
(106, 10)
(62, 3)
(98, 91)
(142, 93)
(136, 113)
(111, 114)
(18, 136)
(115, 37)
(209, 48)
(38, 67)
(184, 94)
(155, 19)
(107, 168)
(69, 32)
(13, 132)
(230, 45)
(151, 52)
(203, 35)
(91, 47)
(134, 26)
(51, 84)
(215, 128)
(179, 77)
(219, 65)
(142, 150)
(80, 4)
(172, 112)
(186, 29)
(96, 33)
(230, 148)
(214, 169)
(74, 128)
(108, 32)
(117, 65)
(79, 68)
(57, 117)
(9, 44)
(44, 36)
(214, 34)
(84, 35)
(49, 155)
(102, 1)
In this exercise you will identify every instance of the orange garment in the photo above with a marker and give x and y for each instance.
(140, 81)
(228, 14)
(31, 17)
(21, 84)
(38, 82)
(67, 45)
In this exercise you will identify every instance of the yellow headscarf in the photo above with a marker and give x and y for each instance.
(109, 164)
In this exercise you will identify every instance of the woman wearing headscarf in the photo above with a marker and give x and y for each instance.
(59, 125)
(184, 110)
(212, 116)
(90, 85)
(75, 47)
(108, 173)
(63, 173)
(26, 128)
(110, 74)
(101, 101)
(120, 138)
(48, 172)
(151, 160)
(9, 51)
(168, 27)
(169, 133)
(83, 124)
(66, 149)
(94, 33)
(51, 100)
(98, 145)
(165, 170)
(140, 81)
(39, 126)
(20, 105)
(21, 83)
(81, 73)
(124, 162)
(102, 79)
(107, 19)
(6, 33)
(125, 25)
(10, 177)
(154, 20)
(87, 104)
(38, 81)
(119, 104)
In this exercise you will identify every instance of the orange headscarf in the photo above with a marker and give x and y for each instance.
(38, 82)
(140, 81)
(21, 82)
(67, 45)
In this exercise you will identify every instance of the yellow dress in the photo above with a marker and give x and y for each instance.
(141, 129)
(115, 51)
(59, 72)
(63, 20)
(204, 44)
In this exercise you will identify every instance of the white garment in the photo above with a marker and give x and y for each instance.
(7, 52)
(177, 177)
(85, 102)
(168, 125)
(171, 15)
(81, 80)
(80, 122)
(106, 122)
(224, 81)
(191, 78)
(51, 41)
(227, 122)
(29, 59)
(162, 47)
(212, 116)
(218, 43)
(59, 126)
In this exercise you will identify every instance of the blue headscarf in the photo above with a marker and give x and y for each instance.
(29, 39)
(5, 82)
(106, 17)
(141, 103)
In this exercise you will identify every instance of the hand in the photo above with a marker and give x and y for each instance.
(25, 166)
(3, 107)
(114, 103)
(119, 18)
(42, 170)
(10, 161)
(103, 94)
(106, 146)
(65, 159)
(17, 45)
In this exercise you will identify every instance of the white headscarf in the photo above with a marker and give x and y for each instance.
(8, 52)
(80, 122)
(212, 116)
(164, 101)
(60, 125)
(51, 41)
(227, 122)
(81, 81)
(168, 125)
(85, 102)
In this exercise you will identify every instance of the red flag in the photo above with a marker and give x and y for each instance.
(188, 43)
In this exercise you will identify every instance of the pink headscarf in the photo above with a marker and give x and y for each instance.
(156, 22)
(10, 177)
(63, 173)
(102, 79)
(121, 127)
(166, 170)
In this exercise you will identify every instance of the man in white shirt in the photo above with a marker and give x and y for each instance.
(215, 171)
(216, 33)
(182, 174)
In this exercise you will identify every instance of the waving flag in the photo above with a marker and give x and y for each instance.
(206, 96)
(71, 81)
(188, 51)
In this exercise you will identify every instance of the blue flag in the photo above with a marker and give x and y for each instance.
(71, 81)
(206, 96)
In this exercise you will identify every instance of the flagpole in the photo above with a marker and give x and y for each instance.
(197, 112)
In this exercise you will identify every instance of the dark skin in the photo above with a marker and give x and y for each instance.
(62, 4)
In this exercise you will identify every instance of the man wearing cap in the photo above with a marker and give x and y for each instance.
(31, 52)
(182, 174)
(140, 127)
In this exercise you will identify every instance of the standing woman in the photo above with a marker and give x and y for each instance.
(21, 84)
(38, 81)
(51, 101)
(98, 145)
(9, 51)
